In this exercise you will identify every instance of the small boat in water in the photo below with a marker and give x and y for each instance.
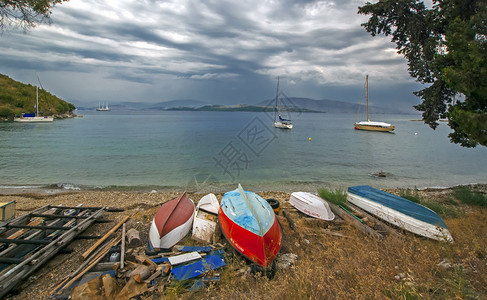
(311, 205)
(205, 218)
(171, 223)
(34, 117)
(371, 125)
(103, 107)
(250, 225)
(401, 212)
(279, 121)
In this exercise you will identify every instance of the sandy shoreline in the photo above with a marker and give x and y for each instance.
(305, 187)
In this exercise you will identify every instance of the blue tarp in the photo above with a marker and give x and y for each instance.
(160, 260)
(28, 115)
(193, 248)
(399, 204)
(210, 262)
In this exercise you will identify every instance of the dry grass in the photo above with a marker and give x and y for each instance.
(358, 267)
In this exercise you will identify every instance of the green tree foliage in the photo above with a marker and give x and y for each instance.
(446, 49)
(17, 98)
(25, 13)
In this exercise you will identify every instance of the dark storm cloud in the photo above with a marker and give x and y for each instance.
(216, 51)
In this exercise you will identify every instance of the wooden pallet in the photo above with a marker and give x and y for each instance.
(29, 241)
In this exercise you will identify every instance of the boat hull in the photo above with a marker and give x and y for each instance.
(370, 127)
(250, 226)
(172, 223)
(283, 125)
(205, 217)
(311, 205)
(34, 119)
(400, 212)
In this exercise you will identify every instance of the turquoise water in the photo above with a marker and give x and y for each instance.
(215, 150)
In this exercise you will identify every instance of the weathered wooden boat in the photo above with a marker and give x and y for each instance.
(205, 218)
(250, 226)
(171, 223)
(400, 212)
(311, 205)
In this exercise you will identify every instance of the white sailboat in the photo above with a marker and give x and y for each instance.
(102, 107)
(34, 117)
(370, 125)
(279, 121)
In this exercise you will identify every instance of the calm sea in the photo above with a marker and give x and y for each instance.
(212, 151)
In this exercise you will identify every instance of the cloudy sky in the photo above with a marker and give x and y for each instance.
(222, 52)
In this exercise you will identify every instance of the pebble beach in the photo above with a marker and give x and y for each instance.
(141, 207)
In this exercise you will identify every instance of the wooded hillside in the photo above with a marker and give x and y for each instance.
(17, 97)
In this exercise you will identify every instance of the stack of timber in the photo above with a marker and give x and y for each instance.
(29, 241)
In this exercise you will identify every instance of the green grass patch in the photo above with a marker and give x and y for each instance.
(442, 210)
(465, 195)
(411, 195)
(337, 197)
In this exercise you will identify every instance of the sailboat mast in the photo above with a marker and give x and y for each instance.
(37, 96)
(367, 93)
(277, 97)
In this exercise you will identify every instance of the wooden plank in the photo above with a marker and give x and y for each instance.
(22, 218)
(92, 248)
(28, 266)
(8, 260)
(91, 264)
(157, 273)
(18, 233)
(354, 221)
(58, 216)
(388, 229)
(22, 241)
(39, 227)
(122, 248)
(105, 266)
(291, 222)
(107, 209)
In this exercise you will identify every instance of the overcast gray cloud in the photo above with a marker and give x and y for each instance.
(215, 51)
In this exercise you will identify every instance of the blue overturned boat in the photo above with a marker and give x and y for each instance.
(400, 212)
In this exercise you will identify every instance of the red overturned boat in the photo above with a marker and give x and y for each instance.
(171, 223)
(250, 225)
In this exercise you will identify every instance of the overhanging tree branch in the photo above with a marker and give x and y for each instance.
(446, 48)
(25, 13)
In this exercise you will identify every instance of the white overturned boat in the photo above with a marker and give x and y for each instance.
(401, 212)
(205, 217)
(311, 205)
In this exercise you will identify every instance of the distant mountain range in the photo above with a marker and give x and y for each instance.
(290, 104)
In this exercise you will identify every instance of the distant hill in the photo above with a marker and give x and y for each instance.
(239, 107)
(165, 105)
(330, 106)
(17, 97)
(289, 103)
(295, 104)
